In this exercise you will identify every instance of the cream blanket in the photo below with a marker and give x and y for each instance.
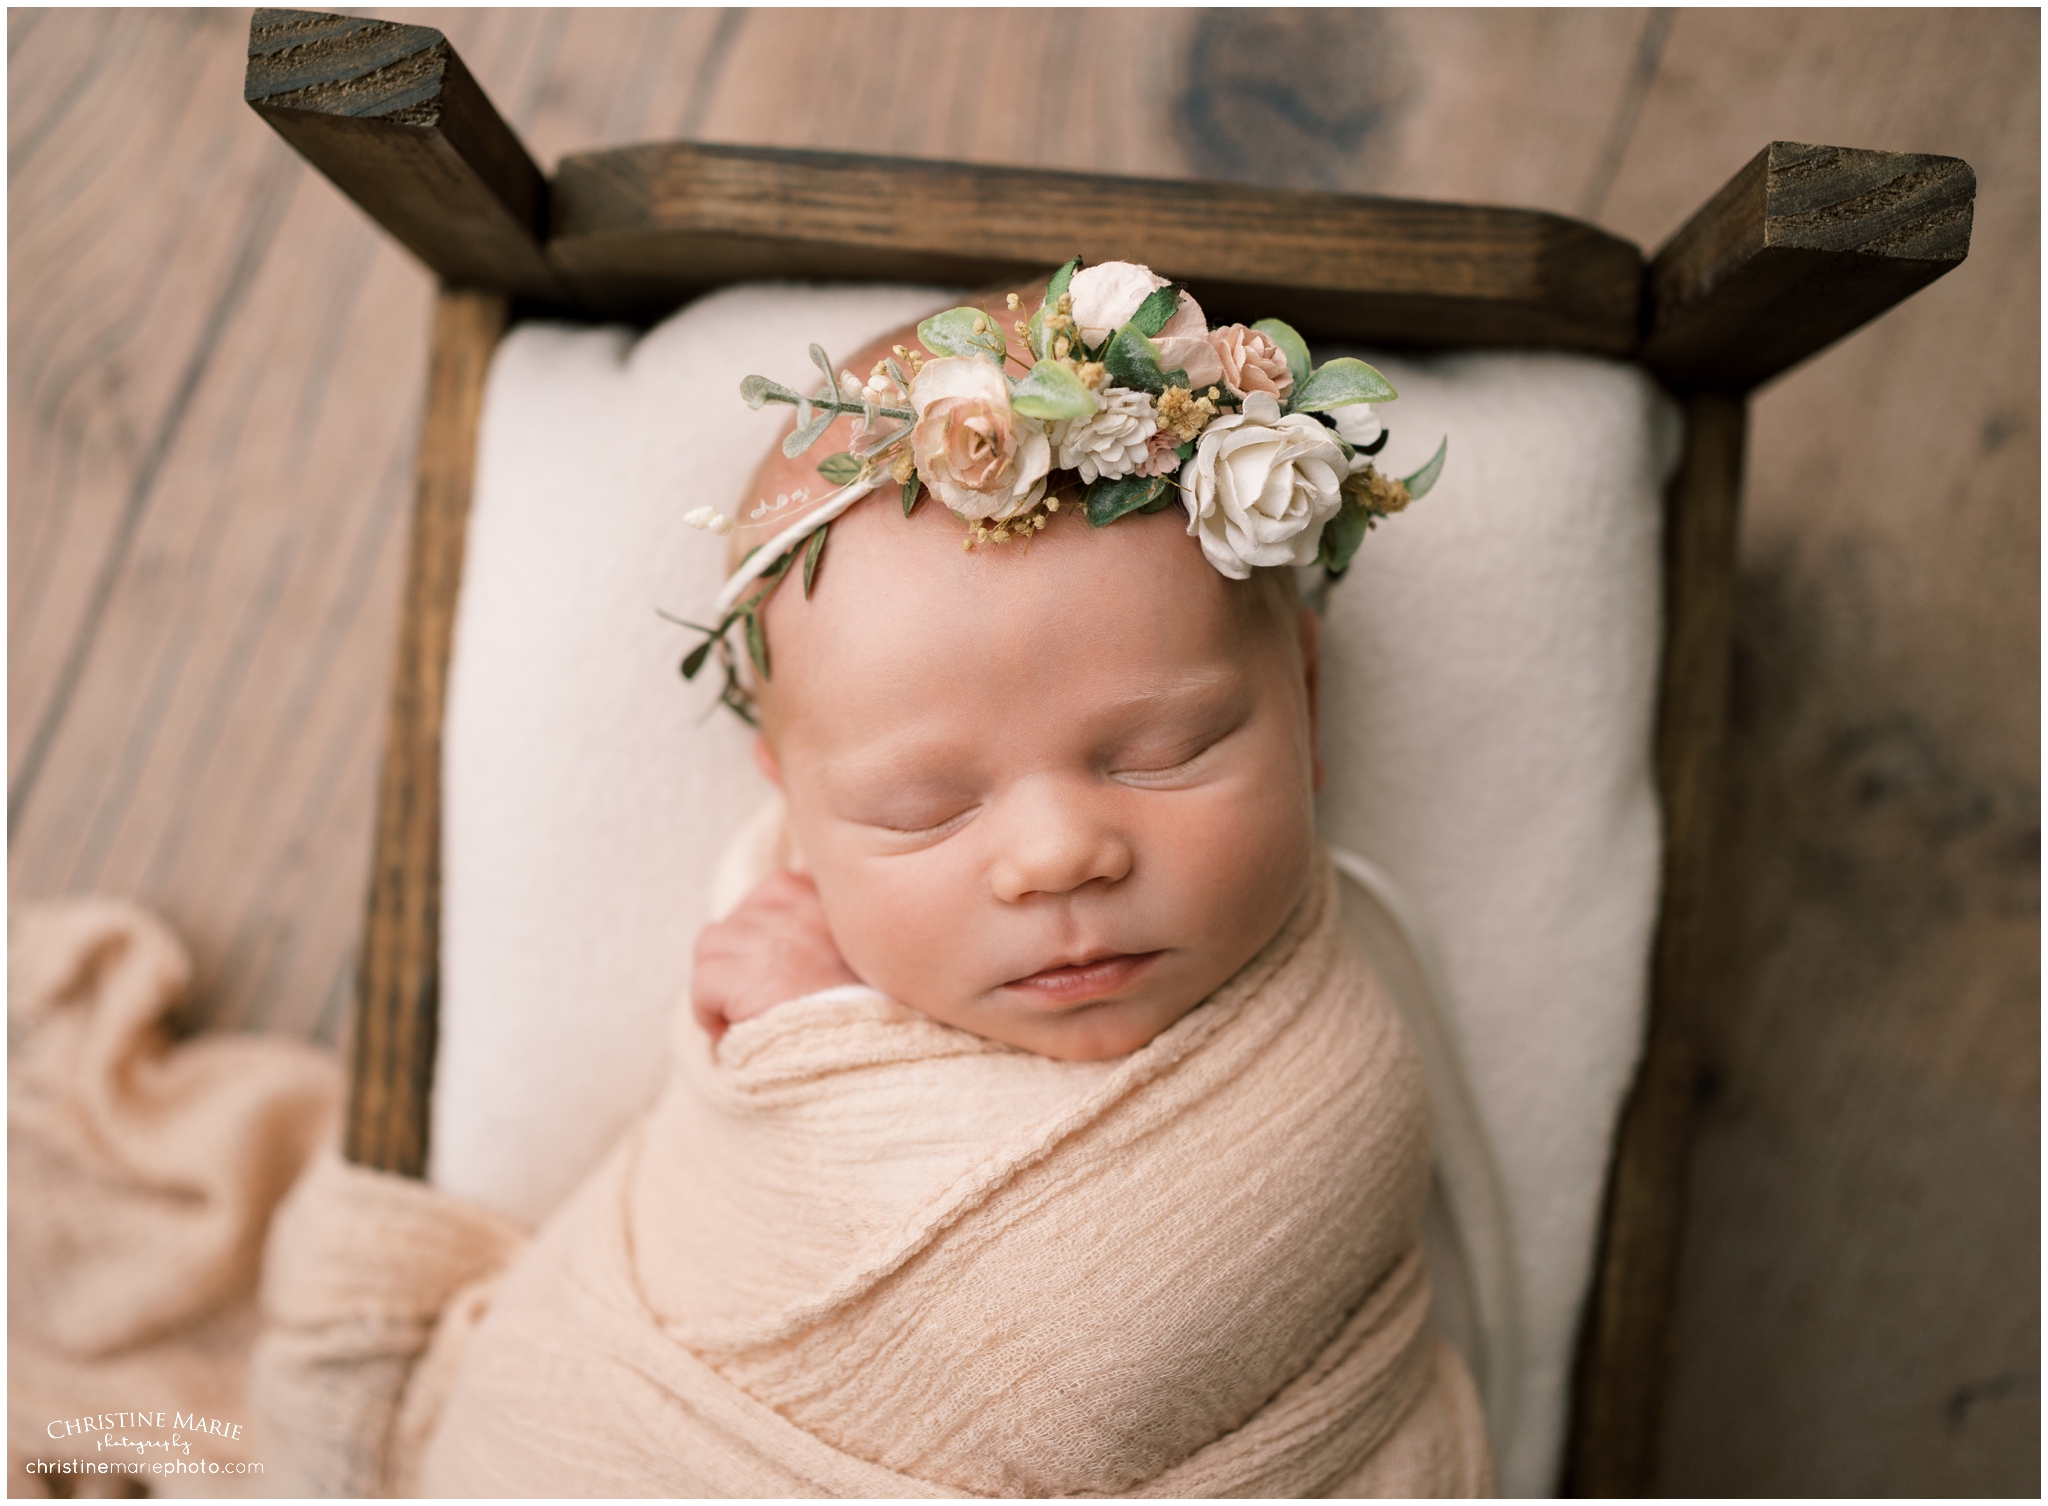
(864, 1254)
(856, 1254)
(141, 1179)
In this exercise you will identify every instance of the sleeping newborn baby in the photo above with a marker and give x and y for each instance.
(1052, 1138)
(1052, 793)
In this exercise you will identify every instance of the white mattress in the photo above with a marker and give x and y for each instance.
(1489, 687)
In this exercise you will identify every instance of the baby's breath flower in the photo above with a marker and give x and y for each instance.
(1185, 414)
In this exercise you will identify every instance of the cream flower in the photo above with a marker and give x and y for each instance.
(1112, 441)
(1184, 346)
(979, 457)
(1259, 487)
(1107, 294)
(1358, 426)
(1251, 362)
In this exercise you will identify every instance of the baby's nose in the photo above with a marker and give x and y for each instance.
(1056, 839)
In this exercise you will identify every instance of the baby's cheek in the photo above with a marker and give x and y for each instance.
(899, 929)
(1235, 866)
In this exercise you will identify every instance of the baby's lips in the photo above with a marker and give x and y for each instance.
(1079, 982)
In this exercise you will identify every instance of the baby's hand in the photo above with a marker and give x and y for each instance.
(773, 948)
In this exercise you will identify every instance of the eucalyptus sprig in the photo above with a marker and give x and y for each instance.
(746, 616)
(1357, 514)
(815, 414)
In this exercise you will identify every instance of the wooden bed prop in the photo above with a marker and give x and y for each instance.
(1803, 245)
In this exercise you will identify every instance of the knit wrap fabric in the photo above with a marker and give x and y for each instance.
(855, 1252)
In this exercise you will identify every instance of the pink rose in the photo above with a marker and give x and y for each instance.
(1251, 362)
(1162, 454)
(977, 456)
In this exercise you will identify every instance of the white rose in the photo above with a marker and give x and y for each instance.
(1359, 426)
(1107, 294)
(1112, 441)
(1259, 487)
(1105, 297)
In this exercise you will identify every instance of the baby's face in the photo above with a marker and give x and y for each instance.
(1051, 794)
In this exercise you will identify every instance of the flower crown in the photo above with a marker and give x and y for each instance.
(1130, 403)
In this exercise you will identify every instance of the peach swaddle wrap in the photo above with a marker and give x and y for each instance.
(861, 1253)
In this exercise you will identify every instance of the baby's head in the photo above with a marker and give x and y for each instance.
(1052, 792)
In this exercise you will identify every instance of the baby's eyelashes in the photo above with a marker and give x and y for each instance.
(1169, 766)
(922, 827)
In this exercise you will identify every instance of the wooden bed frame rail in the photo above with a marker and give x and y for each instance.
(1803, 245)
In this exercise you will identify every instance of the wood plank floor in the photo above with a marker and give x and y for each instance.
(215, 367)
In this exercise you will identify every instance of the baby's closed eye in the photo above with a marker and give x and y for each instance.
(1173, 756)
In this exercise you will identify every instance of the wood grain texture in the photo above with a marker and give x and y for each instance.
(1803, 245)
(398, 979)
(215, 379)
(638, 229)
(204, 538)
(635, 231)
(1859, 1291)
(1624, 1350)
(396, 121)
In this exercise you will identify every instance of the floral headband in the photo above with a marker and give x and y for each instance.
(1131, 403)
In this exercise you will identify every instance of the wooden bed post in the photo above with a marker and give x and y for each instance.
(389, 114)
(1800, 247)
(398, 970)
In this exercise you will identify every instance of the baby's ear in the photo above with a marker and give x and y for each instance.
(764, 759)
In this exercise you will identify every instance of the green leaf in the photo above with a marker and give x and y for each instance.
(953, 334)
(839, 469)
(824, 364)
(817, 547)
(1158, 309)
(756, 390)
(1061, 281)
(910, 496)
(1420, 483)
(1342, 535)
(1291, 346)
(757, 643)
(1106, 501)
(1133, 361)
(1339, 384)
(1051, 391)
(1186, 451)
(809, 433)
(694, 659)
